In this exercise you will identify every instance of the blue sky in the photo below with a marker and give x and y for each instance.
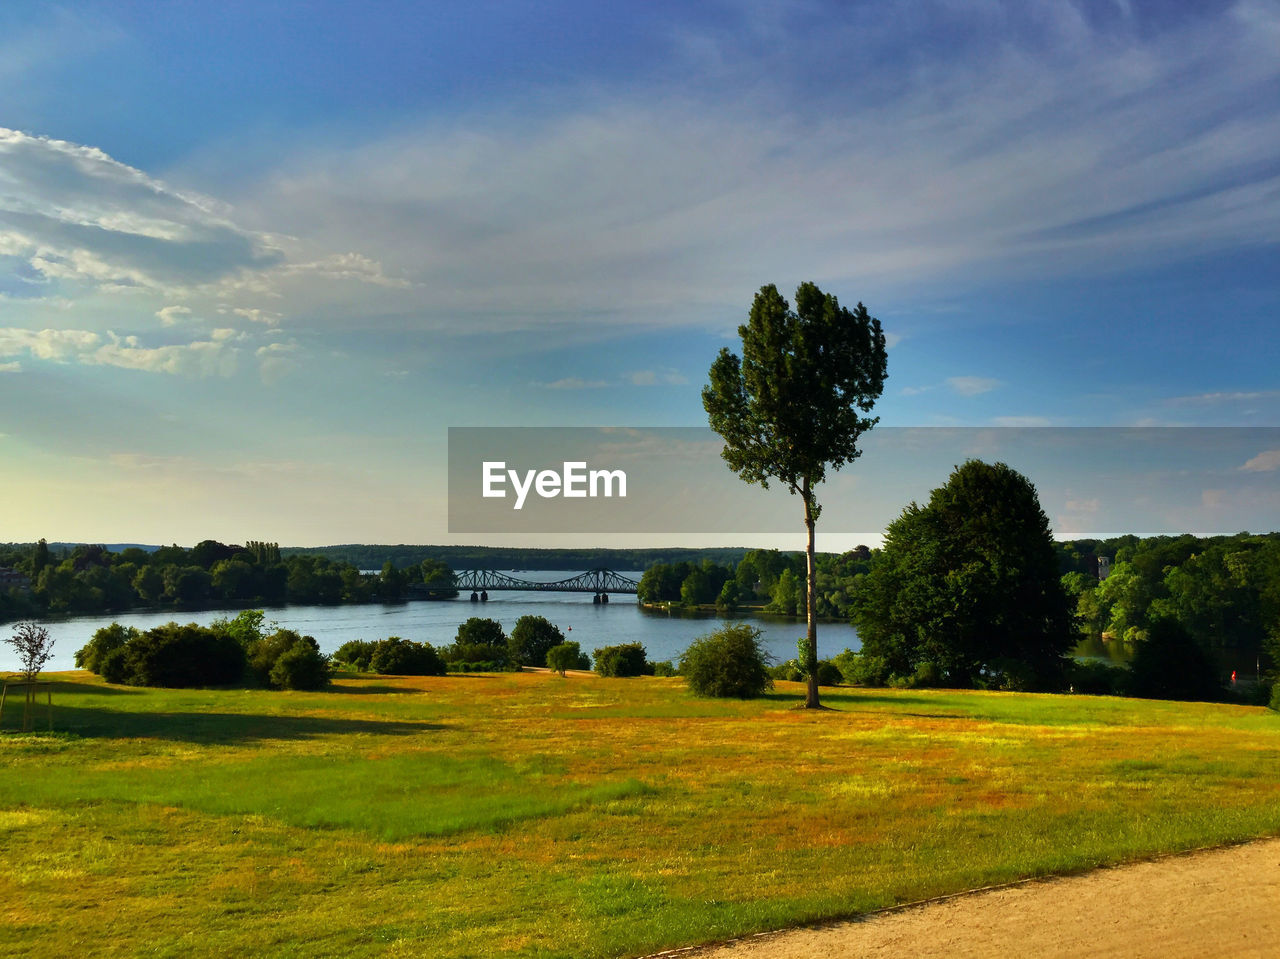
(256, 258)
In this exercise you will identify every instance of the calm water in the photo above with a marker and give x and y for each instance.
(436, 622)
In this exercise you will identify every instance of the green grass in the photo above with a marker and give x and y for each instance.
(533, 815)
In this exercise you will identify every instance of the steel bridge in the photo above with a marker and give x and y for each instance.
(598, 581)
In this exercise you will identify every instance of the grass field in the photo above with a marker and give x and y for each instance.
(533, 815)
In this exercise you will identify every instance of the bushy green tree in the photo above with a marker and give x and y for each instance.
(729, 662)
(301, 666)
(968, 585)
(564, 657)
(796, 403)
(531, 638)
(176, 656)
(356, 653)
(403, 657)
(627, 659)
(104, 640)
(479, 640)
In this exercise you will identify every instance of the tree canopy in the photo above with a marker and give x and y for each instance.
(968, 587)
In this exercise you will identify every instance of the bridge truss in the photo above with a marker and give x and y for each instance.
(490, 580)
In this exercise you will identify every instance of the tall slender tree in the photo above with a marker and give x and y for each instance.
(796, 403)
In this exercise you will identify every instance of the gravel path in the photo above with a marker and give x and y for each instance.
(1220, 902)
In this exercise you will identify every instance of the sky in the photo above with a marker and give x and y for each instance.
(256, 259)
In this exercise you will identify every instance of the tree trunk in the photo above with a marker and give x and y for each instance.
(811, 622)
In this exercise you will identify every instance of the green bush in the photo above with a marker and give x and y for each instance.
(859, 669)
(627, 659)
(530, 640)
(479, 641)
(403, 657)
(1275, 697)
(356, 653)
(793, 671)
(176, 656)
(105, 640)
(301, 666)
(829, 674)
(263, 653)
(113, 666)
(728, 662)
(663, 667)
(564, 657)
(788, 670)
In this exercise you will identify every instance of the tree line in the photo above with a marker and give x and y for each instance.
(764, 579)
(90, 578)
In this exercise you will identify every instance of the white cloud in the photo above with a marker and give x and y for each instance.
(172, 315)
(14, 367)
(972, 385)
(1080, 147)
(255, 315)
(80, 217)
(277, 360)
(1265, 462)
(572, 383)
(198, 358)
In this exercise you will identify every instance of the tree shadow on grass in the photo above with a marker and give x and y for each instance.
(850, 701)
(219, 728)
(375, 689)
(89, 689)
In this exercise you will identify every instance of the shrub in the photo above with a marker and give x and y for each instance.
(663, 667)
(113, 666)
(177, 656)
(479, 641)
(530, 640)
(1275, 697)
(356, 653)
(728, 663)
(105, 640)
(625, 660)
(403, 657)
(263, 653)
(301, 666)
(828, 673)
(793, 671)
(564, 657)
(859, 669)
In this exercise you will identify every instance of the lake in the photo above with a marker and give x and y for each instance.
(619, 621)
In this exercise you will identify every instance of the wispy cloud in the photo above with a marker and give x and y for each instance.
(972, 385)
(572, 383)
(1265, 462)
(217, 354)
(172, 315)
(79, 217)
(1233, 396)
(667, 377)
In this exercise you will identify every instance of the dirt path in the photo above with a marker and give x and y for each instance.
(1223, 902)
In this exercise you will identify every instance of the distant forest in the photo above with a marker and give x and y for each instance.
(493, 557)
